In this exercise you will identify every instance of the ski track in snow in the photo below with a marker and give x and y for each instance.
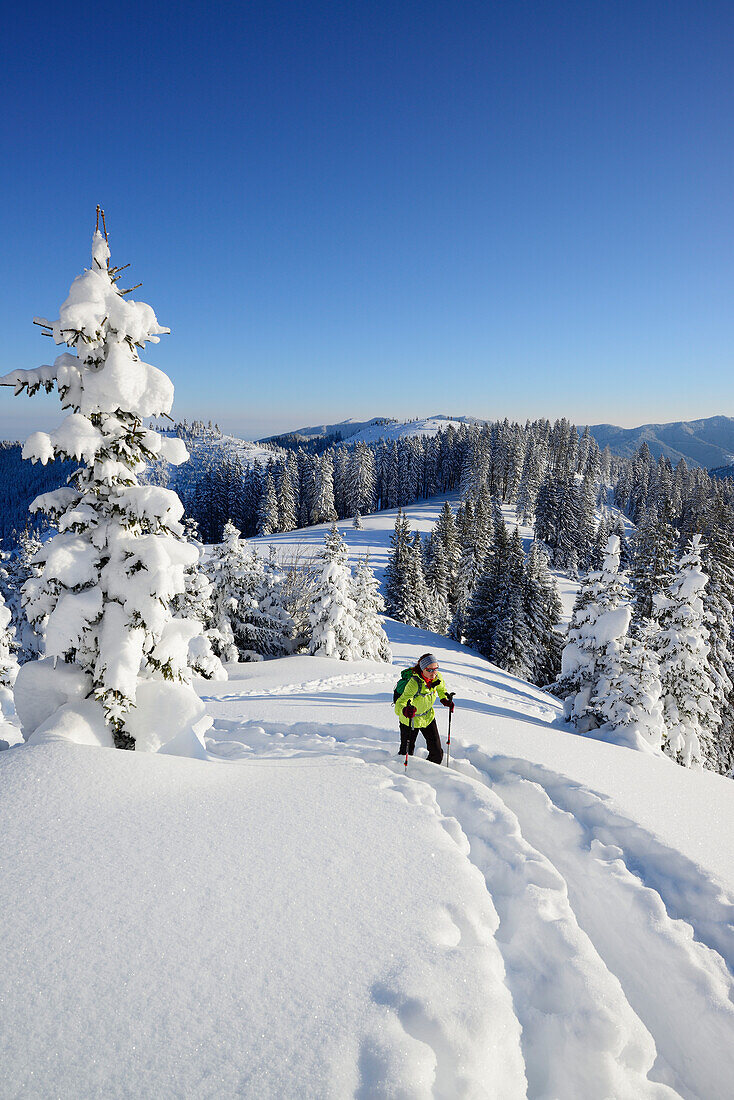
(590, 910)
(328, 683)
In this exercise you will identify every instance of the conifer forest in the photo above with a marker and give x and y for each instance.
(648, 652)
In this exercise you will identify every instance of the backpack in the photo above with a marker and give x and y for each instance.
(402, 683)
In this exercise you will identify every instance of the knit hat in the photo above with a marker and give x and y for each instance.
(427, 660)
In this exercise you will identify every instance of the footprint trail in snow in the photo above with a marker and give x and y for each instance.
(617, 961)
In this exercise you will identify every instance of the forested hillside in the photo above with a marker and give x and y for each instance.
(707, 443)
(20, 483)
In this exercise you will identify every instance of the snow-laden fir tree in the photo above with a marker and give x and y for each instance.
(223, 567)
(628, 694)
(276, 628)
(9, 669)
(419, 609)
(437, 581)
(370, 605)
(596, 635)
(446, 536)
(653, 564)
(249, 622)
(335, 631)
(530, 482)
(397, 594)
(195, 602)
(267, 513)
(262, 627)
(322, 505)
(20, 567)
(543, 611)
(287, 493)
(496, 595)
(683, 648)
(718, 563)
(115, 653)
(511, 642)
(478, 619)
(360, 481)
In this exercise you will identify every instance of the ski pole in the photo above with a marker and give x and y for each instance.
(450, 696)
(407, 750)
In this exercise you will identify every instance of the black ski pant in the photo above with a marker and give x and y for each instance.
(433, 741)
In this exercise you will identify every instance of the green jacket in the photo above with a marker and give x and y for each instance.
(422, 696)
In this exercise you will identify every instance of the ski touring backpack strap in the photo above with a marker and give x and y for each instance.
(402, 683)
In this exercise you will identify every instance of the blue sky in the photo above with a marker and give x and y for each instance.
(361, 209)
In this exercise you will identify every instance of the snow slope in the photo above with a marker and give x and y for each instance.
(550, 916)
(400, 429)
(380, 427)
(212, 447)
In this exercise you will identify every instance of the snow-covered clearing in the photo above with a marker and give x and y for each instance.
(550, 916)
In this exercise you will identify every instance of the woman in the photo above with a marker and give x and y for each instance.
(416, 701)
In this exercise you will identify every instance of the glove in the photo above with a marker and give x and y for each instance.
(409, 711)
(448, 703)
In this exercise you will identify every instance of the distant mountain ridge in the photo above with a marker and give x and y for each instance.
(344, 429)
(708, 443)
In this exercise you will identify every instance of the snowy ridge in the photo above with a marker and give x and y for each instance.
(202, 449)
(401, 429)
(380, 427)
(207, 448)
(295, 915)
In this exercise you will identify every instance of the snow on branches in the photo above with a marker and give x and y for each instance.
(344, 616)
(119, 555)
(683, 649)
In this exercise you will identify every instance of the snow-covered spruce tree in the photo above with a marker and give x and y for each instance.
(116, 654)
(543, 611)
(628, 695)
(446, 535)
(261, 625)
(335, 631)
(529, 485)
(267, 513)
(469, 568)
(479, 617)
(287, 493)
(20, 568)
(718, 562)
(683, 649)
(625, 553)
(653, 564)
(8, 673)
(512, 642)
(322, 506)
(596, 635)
(397, 595)
(437, 583)
(360, 480)
(419, 609)
(277, 628)
(370, 604)
(195, 602)
(511, 639)
(246, 630)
